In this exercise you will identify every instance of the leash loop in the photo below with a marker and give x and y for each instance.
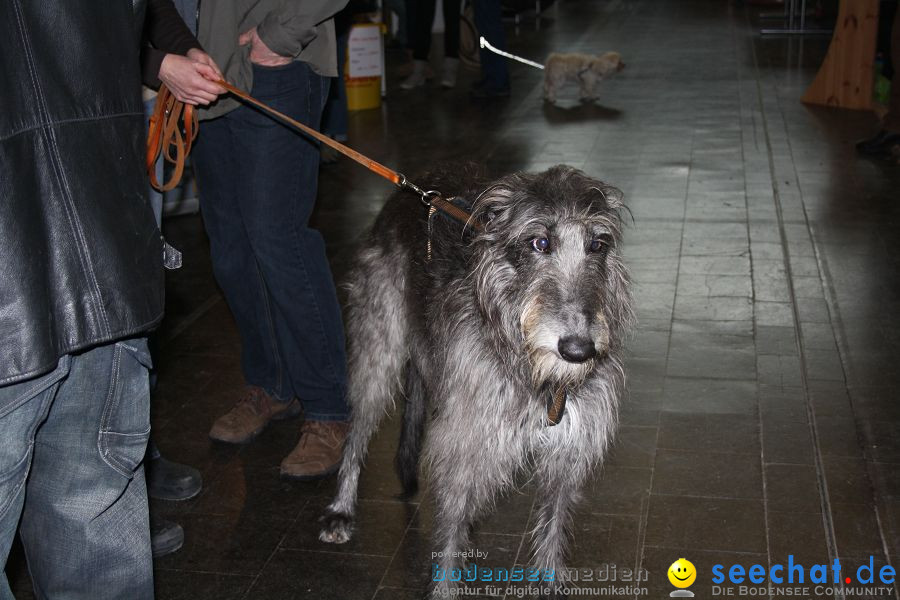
(173, 128)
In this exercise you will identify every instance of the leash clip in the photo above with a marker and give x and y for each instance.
(424, 196)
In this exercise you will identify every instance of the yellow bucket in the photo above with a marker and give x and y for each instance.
(363, 69)
(363, 92)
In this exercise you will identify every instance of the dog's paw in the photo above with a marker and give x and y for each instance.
(337, 528)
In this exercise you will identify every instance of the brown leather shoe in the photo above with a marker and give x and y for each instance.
(251, 415)
(319, 451)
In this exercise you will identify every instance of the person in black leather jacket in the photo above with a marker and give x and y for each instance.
(80, 285)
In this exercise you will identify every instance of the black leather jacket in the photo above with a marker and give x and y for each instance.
(80, 252)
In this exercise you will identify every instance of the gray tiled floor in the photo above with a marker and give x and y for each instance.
(762, 418)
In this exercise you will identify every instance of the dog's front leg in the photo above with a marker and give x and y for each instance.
(469, 464)
(587, 82)
(549, 89)
(451, 535)
(559, 489)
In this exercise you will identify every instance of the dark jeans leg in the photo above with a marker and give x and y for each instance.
(489, 21)
(335, 117)
(222, 183)
(421, 32)
(283, 288)
(451, 28)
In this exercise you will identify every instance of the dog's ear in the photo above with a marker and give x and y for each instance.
(492, 205)
(612, 196)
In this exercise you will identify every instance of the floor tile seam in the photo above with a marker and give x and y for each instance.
(821, 477)
(525, 533)
(730, 552)
(203, 572)
(761, 427)
(840, 338)
(194, 316)
(705, 496)
(716, 379)
(642, 529)
(482, 531)
(347, 554)
(705, 451)
(274, 551)
(681, 245)
(409, 527)
(645, 501)
(781, 463)
(614, 514)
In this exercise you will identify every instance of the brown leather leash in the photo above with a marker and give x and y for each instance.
(166, 135)
(174, 127)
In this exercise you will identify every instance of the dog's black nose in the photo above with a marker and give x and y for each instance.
(576, 349)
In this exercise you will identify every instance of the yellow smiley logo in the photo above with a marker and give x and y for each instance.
(682, 573)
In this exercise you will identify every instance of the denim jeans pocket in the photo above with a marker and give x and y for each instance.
(22, 408)
(125, 424)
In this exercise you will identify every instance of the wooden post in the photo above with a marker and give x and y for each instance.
(845, 78)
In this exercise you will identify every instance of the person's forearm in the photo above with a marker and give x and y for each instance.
(166, 30)
(151, 60)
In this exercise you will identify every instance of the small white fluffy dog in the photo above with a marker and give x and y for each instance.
(585, 69)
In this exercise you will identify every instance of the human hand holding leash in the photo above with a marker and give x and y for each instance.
(192, 78)
(260, 54)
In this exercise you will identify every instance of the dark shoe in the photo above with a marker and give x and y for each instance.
(167, 480)
(319, 451)
(166, 537)
(882, 144)
(251, 415)
(484, 92)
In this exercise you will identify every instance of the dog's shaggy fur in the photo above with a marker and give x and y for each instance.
(484, 332)
(584, 69)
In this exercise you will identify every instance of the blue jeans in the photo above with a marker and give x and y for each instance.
(489, 21)
(257, 180)
(156, 198)
(335, 117)
(71, 445)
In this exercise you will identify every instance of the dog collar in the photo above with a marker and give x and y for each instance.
(556, 407)
(457, 208)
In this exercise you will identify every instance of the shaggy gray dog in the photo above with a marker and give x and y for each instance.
(486, 325)
(584, 69)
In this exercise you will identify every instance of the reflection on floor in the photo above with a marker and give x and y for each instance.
(761, 420)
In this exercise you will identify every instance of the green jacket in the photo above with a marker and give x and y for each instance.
(303, 29)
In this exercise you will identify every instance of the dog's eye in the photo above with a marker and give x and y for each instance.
(540, 244)
(599, 243)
